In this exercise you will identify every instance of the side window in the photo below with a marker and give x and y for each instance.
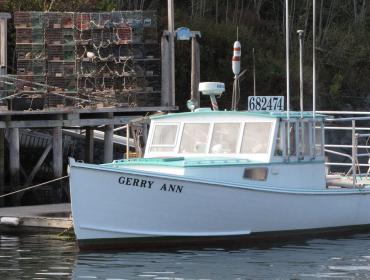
(256, 174)
(194, 138)
(164, 138)
(225, 138)
(256, 137)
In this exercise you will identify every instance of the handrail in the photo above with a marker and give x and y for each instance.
(355, 165)
(338, 153)
(345, 128)
(348, 119)
(344, 112)
(345, 146)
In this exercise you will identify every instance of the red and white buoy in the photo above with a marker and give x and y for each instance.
(236, 58)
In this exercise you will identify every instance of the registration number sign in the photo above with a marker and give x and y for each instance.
(266, 103)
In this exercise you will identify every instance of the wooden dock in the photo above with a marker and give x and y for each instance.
(47, 218)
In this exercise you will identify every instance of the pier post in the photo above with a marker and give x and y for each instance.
(166, 94)
(14, 163)
(108, 143)
(89, 145)
(195, 67)
(2, 164)
(57, 161)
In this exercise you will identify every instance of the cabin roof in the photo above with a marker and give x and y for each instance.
(209, 113)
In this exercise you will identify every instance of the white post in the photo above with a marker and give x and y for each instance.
(3, 42)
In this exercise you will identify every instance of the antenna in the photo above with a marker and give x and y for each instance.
(237, 33)
(287, 57)
(287, 75)
(314, 59)
(254, 74)
(300, 35)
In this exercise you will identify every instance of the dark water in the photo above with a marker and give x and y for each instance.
(45, 257)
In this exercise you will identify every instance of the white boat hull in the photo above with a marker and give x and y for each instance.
(112, 206)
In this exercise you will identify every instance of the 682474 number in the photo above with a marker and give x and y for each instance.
(266, 103)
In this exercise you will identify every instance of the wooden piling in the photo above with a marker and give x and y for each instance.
(14, 163)
(57, 160)
(2, 164)
(165, 96)
(108, 144)
(89, 145)
(195, 69)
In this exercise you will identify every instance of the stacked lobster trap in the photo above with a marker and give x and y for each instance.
(87, 59)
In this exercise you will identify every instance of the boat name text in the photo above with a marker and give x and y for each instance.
(172, 188)
(166, 187)
(128, 181)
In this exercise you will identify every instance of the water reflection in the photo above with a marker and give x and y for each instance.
(46, 257)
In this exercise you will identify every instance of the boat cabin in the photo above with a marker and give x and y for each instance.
(263, 137)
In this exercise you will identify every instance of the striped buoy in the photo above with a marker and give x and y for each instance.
(236, 58)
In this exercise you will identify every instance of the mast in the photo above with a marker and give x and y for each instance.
(300, 34)
(314, 59)
(287, 56)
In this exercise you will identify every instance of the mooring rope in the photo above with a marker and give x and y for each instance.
(34, 186)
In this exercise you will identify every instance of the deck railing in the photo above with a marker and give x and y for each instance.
(354, 122)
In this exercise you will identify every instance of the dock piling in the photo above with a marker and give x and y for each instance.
(14, 162)
(89, 145)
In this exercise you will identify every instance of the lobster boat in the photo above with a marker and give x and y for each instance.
(217, 176)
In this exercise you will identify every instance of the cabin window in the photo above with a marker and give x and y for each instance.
(256, 174)
(256, 137)
(164, 138)
(225, 138)
(194, 138)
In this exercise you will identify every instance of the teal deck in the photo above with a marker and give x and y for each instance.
(180, 162)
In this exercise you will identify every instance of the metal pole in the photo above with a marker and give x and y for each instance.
(354, 152)
(287, 55)
(287, 73)
(300, 34)
(171, 41)
(254, 74)
(314, 59)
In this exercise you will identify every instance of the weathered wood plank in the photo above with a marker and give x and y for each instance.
(38, 165)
